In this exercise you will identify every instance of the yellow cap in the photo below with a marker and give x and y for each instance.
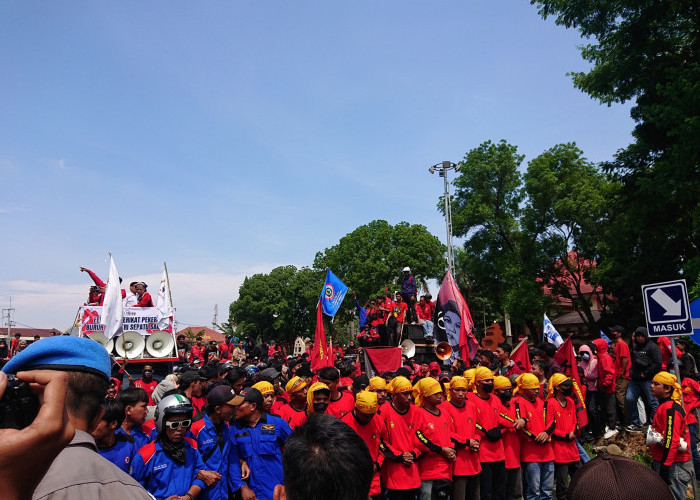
(294, 385)
(310, 395)
(670, 380)
(554, 381)
(424, 388)
(264, 387)
(400, 384)
(376, 383)
(526, 381)
(482, 373)
(499, 382)
(366, 402)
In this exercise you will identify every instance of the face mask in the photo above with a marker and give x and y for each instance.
(567, 391)
(487, 387)
(585, 357)
(506, 396)
(320, 407)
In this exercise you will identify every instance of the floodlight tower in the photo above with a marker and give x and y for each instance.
(442, 168)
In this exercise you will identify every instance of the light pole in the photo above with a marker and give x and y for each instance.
(442, 168)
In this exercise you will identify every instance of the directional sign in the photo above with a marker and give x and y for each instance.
(695, 318)
(666, 309)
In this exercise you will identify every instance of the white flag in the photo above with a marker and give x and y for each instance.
(112, 306)
(550, 333)
(163, 304)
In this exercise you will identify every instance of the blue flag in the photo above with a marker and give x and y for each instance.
(605, 337)
(550, 333)
(333, 293)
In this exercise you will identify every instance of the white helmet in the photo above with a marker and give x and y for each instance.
(406, 269)
(175, 404)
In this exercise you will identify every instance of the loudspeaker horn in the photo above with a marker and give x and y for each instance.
(130, 344)
(408, 348)
(102, 339)
(299, 346)
(159, 344)
(443, 351)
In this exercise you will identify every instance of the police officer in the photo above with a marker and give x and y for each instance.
(259, 439)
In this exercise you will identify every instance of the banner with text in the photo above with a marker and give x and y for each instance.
(138, 319)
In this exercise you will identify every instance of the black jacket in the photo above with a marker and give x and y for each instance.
(646, 361)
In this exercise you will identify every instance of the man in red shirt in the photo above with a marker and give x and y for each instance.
(536, 452)
(341, 403)
(673, 465)
(606, 388)
(370, 427)
(466, 467)
(197, 350)
(424, 311)
(623, 361)
(225, 349)
(561, 411)
(503, 389)
(143, 296)
(147, 383)
(435, 436)
(294, 412)
(400, 471)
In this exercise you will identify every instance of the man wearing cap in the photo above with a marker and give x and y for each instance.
(268, 392)
(503, 389)
(317, 398)
(371, 429)
(561, 410)
(78, 471)
(466, 467)
(341, 403)
(673, 464)
(622, 371)
(294, 412)
(536, 452)
(378, 385)
(435, 436)
(646, 362)
(213, 443)
(192, 384)
(401, 418)
(259, 439)
(408, 293)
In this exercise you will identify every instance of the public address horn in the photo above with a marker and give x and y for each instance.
(100, 338)
(443, 351)
(130, 344)
(408, 348)
(160, 344)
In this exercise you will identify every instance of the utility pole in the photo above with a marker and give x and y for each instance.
(8, 314)
(442, 169)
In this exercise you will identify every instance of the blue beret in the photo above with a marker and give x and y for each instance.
(63, 353)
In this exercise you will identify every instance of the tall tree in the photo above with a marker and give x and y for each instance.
(646, 51)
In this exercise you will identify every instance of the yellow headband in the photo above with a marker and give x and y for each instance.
(264, 387)
(400, 384)
(526, 381)
(670, 380)
(376, 383)
(482, 373)
(366, 402)
(424, 388)
(554, 381)
(469, 375)
(499, 382)
(459, 383)
(310, 395)
(294, 385)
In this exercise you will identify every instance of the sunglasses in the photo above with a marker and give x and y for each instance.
(179, 423)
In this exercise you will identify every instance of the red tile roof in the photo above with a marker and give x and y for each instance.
(579, 265)
(204, 331)
(29, 333)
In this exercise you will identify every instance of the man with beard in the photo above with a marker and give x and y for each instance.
(170, 467)
(147, 383)
(259, 439)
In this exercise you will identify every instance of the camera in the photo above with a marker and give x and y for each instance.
(19, 406)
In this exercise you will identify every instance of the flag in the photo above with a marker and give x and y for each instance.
(550, 334)
(566, 357)
(163, 304)
(521, 357)
(321, 356)
(333, 293)
(605, 337)
(112, 305)
(453, 321)
(380, 360)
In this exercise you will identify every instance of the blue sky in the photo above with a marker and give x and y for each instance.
(227, 138)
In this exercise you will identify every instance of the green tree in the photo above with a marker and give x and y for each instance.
(646, 51)
(279, 305)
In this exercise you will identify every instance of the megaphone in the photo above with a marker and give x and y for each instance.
(160, 344)
(654, 437)
(299, 346)
(102, 339)
(130, 344)
(408, 348)
(443, 351)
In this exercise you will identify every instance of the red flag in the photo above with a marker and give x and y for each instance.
(321, 356)
(384, 359)
(521, 357)
(453, 321)
(566, 357)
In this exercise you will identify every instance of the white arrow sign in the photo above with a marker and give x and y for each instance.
(672, 307)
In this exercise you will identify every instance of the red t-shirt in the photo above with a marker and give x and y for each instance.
(511, 440)
(400, 309)
(197, 352)
(148, 387)
(293, 417)
(533, 413)
(423, 311)
(401, 437)
(372, 434)
(437, 429)
(343, 406)
(565, 421)
(488, 416)
(464, 423)
(622, 350)
(387, 304)
(225, 351)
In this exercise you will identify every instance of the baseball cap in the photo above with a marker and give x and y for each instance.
(188, 377)
(253, 396)
(270, 372)
(222, 395)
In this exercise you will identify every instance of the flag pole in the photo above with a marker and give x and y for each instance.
(167, 279)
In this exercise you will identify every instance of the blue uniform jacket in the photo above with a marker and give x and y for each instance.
(162, 477)
(122, 452)
(217, 459)
(261, 448)
(140, 437)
